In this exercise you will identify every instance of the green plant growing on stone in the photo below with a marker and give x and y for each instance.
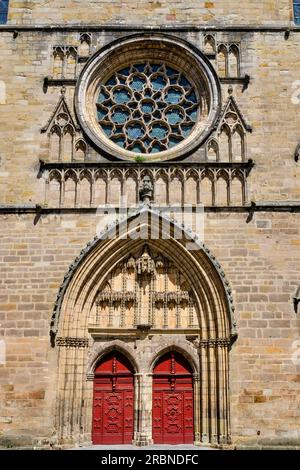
(140, 159)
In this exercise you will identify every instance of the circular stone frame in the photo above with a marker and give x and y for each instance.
(148, 47)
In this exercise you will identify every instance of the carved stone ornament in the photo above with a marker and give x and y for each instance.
(69, 342)
(145, 264)
(146, 191)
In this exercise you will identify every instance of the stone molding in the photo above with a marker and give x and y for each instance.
(69, 342)
(104, 235)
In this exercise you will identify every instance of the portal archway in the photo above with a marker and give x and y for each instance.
(113, 400)
(173, 400)
(145, 296)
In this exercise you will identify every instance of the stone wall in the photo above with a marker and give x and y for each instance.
(154, 12)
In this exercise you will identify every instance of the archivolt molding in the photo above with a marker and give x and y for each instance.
(209, 271)
(217, 328)
(99, 350)
(180, 345)
(139, 357)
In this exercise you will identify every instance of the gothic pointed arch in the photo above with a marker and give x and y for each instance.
(61, 130)
(61, 109)
(232, 110)
(189, 356)
(101, 256)
(144, 284)
(101, 350)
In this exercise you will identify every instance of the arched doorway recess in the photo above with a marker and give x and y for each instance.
(113, 400)
(145, 298)
(173, 401)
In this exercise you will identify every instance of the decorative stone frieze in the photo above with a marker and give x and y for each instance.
(69, 342)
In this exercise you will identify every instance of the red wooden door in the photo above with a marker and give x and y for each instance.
(173, 402)
(113, 401)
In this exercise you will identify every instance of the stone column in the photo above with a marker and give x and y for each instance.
(204, 395)
(47, 184)
(213, 398)
(88, 398)
(221, 392)
(227, 397)
(197, 404)
(62, 189)
(77, 192)
(143, 434)
(245, 189)
(93, 188)
(137, 400)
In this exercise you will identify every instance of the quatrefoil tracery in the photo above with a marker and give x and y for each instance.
(147, 108)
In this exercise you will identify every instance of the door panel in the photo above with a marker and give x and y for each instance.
(173, 403)
(113, 403)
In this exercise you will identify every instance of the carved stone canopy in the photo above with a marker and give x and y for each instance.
(145, 264)
(146, 288)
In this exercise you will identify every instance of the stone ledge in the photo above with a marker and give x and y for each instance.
(266, 207)
(283, 27)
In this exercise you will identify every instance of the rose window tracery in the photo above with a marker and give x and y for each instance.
(148, 95)
(147, 107)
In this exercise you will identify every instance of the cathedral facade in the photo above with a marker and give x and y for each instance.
(150, 226)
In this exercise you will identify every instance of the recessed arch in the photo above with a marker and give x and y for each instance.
(176, 348)
(80, 285)
(206, 347)
(113, 400)
(173, 400)
(99, 351)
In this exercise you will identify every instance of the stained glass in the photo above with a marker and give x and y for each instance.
(135, 131)
(174, 141)
(156, 148)
(158, 82)
(121, 95)
(107, 129)
(186, 130)
(3, 11)
(174, 95)
(147, 107)
(120, 115)
(138, 82)
(192, 114)
(297, 12)
(119, 140)
(174, 116)
(159, 131)
(101, 114)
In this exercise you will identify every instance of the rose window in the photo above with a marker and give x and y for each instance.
(148, 96)
(147, 107)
